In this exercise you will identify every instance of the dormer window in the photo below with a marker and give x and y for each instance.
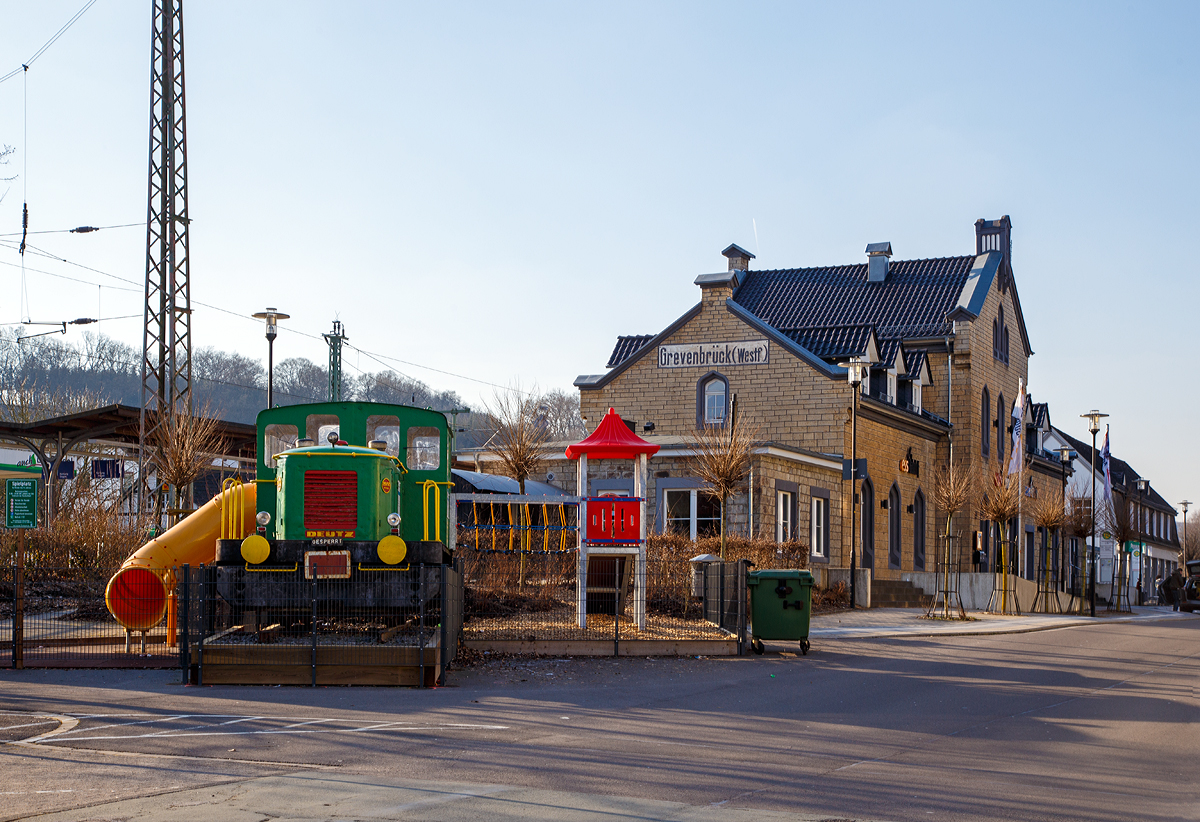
(916, 395)
(891, 387)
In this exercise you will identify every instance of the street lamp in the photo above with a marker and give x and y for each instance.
(1093, 417)
(1065, 455)
(1183, 548)
(856, 368)
(272, 316)
(1142, 485)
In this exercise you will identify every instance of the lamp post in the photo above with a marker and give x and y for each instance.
(856, 367)
(1065, 455)
(272, 316)
(1183, 548)
(1093, 417)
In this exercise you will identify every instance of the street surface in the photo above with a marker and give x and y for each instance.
(1080, 723)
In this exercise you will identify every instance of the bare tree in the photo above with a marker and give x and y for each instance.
(955, 487)
(1000, 504)
(562, 415)
(721, 459)
(299, 379)
(1120, 519)
(520, 437)
(1189, 537)
(182, 446)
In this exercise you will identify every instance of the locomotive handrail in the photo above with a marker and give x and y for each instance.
(282, 569)
(362, 567)
(437, 504)
(233, 506)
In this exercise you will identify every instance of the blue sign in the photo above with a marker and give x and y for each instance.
(107, 469)
(66, 469)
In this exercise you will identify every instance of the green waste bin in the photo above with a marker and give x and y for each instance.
(780, 603)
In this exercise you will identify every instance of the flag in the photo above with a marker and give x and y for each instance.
(1107, 467)
(1018, 414)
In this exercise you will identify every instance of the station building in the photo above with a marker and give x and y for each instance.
(948, 347)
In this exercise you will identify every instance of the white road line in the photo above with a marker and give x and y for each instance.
(131, 724)
(390, 726)
(65, 724)
(26, 725)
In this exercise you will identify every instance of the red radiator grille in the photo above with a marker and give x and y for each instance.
(330, 500)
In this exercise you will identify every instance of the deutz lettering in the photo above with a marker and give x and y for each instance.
(313, 534)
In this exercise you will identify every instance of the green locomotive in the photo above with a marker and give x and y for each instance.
(353, 495)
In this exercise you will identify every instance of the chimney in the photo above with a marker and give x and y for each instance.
(996, 235)
(739, 258)
(877, 261)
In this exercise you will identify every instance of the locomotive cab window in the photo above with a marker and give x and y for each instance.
(277, 439)
(386, 428)
(424, 449)
(318, 426)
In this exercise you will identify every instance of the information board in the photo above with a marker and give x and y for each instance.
(20, 503)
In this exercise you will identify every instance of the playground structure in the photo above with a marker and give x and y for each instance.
(613, 532)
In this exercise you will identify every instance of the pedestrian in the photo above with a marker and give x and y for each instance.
(1174, 586)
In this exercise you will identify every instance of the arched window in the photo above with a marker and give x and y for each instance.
(894, 526)
(712, 399)
(919, 532)
(985, 425)
(868, 524)
(1000, 429)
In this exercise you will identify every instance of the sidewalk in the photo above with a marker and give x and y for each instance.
(896, 622)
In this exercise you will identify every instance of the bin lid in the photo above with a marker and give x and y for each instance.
(764, 574)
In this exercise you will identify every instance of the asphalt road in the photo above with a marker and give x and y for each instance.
(1093, 723)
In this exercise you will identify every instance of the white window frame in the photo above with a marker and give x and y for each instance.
(784, 527)
(817, 526)
(891, 387)
(693, 509)
(709, 418)
(916, 394)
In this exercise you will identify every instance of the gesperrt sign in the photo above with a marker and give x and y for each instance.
(702, 355)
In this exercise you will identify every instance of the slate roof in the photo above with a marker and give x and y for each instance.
(916, 294)
(830, 342)
(626, 347)
(915, 361)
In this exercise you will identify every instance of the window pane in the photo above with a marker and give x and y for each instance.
(679, 512)
(277, 439)
(387, 428)
(708, 515)
(424, 449)
(783, 516)
(318, 426)
(714, 401)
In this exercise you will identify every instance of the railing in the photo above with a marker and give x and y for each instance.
(400, 630)
(56, 617)
(518, 602)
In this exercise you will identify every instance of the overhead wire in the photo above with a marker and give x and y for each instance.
(282, 328)
(25, 66)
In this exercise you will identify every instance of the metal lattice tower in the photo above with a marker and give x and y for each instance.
(335, 338)
(167, 339)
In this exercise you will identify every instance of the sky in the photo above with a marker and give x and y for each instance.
(487, 194)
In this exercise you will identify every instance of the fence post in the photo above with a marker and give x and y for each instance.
(184, 649)
(421, 623)
(18, 628)
(313, 628)
(203, 625)
(445, 662)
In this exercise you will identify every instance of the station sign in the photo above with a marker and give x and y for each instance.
(746, 352)
(20, 503)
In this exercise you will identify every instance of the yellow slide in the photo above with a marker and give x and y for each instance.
(137, 594)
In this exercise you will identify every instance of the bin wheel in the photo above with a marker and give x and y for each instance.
(804, 646)
(756, 645)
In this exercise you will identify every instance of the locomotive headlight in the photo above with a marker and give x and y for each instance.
(263, 518)
(393, 520)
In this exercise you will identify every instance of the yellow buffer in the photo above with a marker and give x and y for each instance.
(137, 594)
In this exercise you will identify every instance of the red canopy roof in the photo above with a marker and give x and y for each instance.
(612, 439)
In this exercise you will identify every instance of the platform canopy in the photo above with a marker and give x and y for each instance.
(612, 439)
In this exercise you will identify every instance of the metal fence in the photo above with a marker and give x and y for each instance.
(401, 628)
(56, 617)
(516, 599)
